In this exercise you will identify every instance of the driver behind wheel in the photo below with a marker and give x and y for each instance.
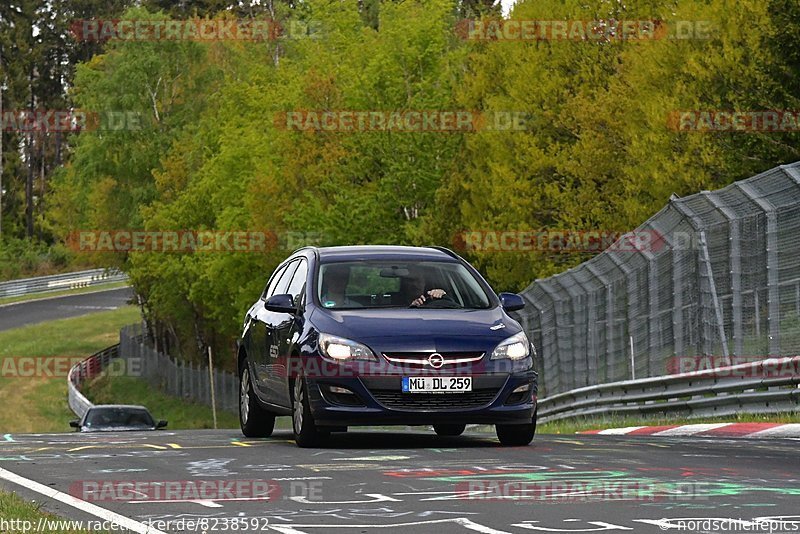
(413, 286)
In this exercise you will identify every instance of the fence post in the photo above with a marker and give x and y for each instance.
(560, 364)
(773, 296)
(211, 387)
(630, 286)
(609, 359)
(577, 328)
(735, 259)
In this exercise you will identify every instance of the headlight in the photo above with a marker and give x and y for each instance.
(342, 350)
(516, 347)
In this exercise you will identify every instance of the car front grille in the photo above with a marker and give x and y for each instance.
(397, 400)
(421, 358)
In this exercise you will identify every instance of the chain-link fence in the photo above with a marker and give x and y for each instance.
(717, 280)
(175, 377)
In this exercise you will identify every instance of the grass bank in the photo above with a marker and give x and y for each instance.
(33, 404)
(12, 507)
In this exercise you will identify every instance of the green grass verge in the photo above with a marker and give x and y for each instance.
(571, 426)
(40, 404)
(12, 507)
(180, 413)
(62, 293)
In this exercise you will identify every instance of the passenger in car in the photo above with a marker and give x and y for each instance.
(335, 280)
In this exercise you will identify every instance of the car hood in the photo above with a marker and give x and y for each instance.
(403, 329)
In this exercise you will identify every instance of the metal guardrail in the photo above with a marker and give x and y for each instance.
(56, 282)
(87, 369)
(766, 386)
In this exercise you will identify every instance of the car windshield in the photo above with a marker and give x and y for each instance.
(399, 284)
(119, 417)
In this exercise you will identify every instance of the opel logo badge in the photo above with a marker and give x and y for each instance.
(436, 360)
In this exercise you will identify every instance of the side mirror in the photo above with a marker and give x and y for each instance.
(161, 424)
(75, 423)
(283, 303)
(511, 302)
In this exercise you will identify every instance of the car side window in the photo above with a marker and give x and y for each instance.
(282, 286)
(270, 289)
(280, 280)
(295, 288)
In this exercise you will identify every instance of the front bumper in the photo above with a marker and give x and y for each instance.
(382, 402)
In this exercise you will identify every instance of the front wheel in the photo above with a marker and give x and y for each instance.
(306, 431)
(516, 435)
(255, 421)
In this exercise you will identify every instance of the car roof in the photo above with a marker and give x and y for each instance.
(383, 252)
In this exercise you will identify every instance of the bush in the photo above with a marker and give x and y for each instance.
(22, 258)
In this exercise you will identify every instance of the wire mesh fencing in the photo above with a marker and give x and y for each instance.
(711, 280)
(176, 377)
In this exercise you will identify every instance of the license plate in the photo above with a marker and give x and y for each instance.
(437, 384)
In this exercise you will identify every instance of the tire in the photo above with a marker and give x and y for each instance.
(516, 435)
(306, 432)
(254, 420)
(447, 429)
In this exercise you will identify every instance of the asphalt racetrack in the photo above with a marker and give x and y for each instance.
(412, 481)
(49, 309)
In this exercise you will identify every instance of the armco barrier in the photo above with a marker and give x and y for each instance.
(87, 369)
(56, 282)
(767, 386)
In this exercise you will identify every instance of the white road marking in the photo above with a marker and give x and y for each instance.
(791, 430)
(461, 521)
(89, 508)
(373, 458)
(688, 430)
(617, 431)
